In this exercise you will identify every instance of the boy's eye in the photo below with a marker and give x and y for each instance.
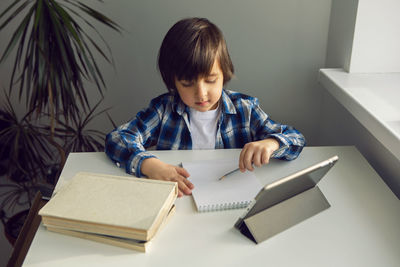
(186, 83)
(213, 80)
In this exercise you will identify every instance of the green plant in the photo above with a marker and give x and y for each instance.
(25, 147)
(55, 53)
(25, 152)
(53, 58)
(77, 136)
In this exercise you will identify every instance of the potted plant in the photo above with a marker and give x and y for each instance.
(55, 55)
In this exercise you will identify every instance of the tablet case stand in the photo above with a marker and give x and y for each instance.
(283, 215)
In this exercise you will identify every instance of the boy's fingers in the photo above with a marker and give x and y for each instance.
(266, 155)
(183, 187)
(242, 159)
(182, 172)
(247, 157)
(188, 183)
(241, 165)
(248, 161)
(180, 194)
(184, 175)
(257, 161)
(265, 158)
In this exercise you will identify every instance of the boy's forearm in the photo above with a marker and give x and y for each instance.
(130, 157)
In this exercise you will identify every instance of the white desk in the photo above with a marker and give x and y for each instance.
(361, 228)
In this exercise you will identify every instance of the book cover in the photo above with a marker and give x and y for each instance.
(126, 207)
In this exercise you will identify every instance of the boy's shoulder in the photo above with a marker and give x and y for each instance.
(163, 100)
(237, 97)
(163, 97)
(167, 102)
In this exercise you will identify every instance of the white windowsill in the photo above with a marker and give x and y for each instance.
(373, 99)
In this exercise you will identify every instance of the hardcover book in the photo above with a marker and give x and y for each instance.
(108, 205)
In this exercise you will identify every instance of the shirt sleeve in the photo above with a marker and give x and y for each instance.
(126, 144)
(286, 135)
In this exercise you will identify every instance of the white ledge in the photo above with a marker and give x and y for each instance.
(373, 99)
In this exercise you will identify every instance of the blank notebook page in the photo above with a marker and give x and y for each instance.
(211, 194)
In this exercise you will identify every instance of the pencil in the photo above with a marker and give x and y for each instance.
(226, 174)
(237, 169)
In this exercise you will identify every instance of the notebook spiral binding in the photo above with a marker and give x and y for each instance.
(225, 206)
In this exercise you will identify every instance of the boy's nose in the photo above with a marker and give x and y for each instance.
(200, 89)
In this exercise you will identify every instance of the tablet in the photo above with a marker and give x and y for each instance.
(287, 187)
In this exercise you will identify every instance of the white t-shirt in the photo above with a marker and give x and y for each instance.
(203, 128)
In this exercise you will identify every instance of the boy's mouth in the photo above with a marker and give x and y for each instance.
(202, 103)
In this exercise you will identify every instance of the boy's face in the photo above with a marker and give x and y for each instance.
(204, 93)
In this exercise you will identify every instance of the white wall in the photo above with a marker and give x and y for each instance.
(364, 36)
(376, 37)
(277, 48)
(341, 33)
(338, 126)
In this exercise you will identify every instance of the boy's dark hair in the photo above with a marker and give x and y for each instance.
(189, 49)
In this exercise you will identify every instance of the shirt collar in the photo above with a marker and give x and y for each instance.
(227, 105)
(178, 104)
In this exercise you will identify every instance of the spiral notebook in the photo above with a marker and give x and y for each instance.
(212, 194)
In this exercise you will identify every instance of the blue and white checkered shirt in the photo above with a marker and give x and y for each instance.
(164, 125)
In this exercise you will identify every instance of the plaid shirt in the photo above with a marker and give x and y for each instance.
(164, 125)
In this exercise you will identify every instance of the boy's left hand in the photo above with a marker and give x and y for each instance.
(257, 153)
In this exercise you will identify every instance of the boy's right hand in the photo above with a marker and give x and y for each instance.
(154, 168)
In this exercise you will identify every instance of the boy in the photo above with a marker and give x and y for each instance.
(198, 113)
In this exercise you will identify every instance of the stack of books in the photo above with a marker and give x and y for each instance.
(122, 211)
